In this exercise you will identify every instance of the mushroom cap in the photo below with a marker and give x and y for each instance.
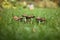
(32, 16)
(28, 17)
(15, 18)
(20, 18)
(38, 18)
(24, 15)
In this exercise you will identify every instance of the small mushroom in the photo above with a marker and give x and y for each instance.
(27, 18)
(24, 16)
(38, 19)
(21, 19)
(30, 18)
(17, 18)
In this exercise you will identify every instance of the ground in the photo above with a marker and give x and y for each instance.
(16, 30)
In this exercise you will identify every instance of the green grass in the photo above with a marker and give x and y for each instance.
(15, 30)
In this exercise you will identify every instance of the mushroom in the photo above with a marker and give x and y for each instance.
(17, 18)
(38, 19)
(30, 18)
(21, 19)
(24, 16)
(27, 18)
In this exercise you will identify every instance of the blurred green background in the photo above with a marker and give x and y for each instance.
(16, 30)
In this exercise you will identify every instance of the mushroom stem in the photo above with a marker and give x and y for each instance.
(25, 20)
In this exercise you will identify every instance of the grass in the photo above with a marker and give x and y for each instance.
(15, 30)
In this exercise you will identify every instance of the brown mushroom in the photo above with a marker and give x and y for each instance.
(30, 18)
(38, 19)
(24, 16)
(21, 19)
(17, 18)
(27, 18)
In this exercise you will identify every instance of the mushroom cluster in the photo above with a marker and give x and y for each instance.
(29, 18)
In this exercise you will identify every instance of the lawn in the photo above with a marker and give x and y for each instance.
(16, 30)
